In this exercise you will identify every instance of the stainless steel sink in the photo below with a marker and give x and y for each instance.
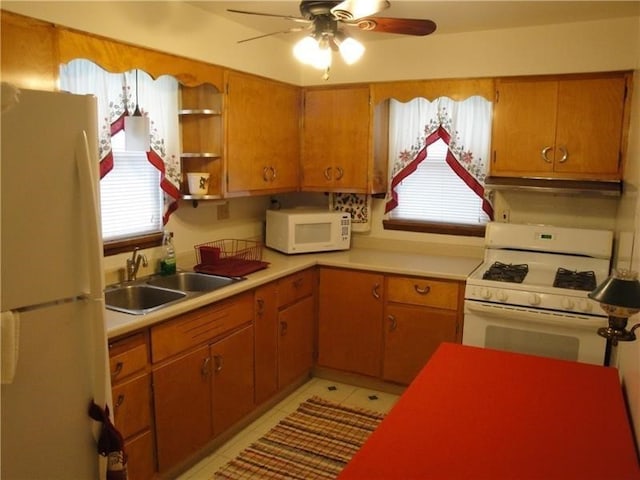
(192, 282)
(139, 299)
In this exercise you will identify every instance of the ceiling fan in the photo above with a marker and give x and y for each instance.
(323, 20)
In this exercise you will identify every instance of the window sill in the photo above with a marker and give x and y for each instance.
(128, 244)
(434, 227)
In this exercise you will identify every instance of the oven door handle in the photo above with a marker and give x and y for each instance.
(548, 317)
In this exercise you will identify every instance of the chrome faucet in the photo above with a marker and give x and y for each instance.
(133, 264)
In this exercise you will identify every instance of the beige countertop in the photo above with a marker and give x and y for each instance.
(439, 266)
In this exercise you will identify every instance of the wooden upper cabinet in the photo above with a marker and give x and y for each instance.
(337, 142)
(563, 127)
(29, 52)
(262, 135)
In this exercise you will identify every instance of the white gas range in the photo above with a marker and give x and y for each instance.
(530, 293)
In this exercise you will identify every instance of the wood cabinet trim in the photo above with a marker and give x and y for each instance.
(200, 326)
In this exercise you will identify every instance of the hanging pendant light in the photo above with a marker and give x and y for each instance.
(136, 129)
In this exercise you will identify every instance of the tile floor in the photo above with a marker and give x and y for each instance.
(334, 391)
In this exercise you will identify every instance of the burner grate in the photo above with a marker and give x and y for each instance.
(503, 272)
(575, 280)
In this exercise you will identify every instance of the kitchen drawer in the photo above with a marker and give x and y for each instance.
(128, 356)
(423, 291)
(200, 326)
(132, 405)
(294, 287)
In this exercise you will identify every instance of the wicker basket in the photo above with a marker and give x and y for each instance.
(229, 257)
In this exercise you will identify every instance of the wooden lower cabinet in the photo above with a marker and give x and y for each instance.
(384, 326)
(295, 341)
(201, 394)
(182, 396)
(141, 457)
(411, 336)
(350, 320)
(132, 406)
(232, 379)
(266, 341)
(284, 332)
(420, 314)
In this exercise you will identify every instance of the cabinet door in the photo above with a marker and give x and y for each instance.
(336, 154)
(262, 133)
(590, 117)
(140, 457)
(524, 123)
(232, 367)
(266, 342)
(411, 336)
(182, 398)
(350, 321)
(295, 341)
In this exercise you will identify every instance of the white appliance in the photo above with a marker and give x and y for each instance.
(530, 293)
(55, 350)
(304, 230)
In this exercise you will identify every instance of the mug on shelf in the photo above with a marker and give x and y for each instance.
(198, 183)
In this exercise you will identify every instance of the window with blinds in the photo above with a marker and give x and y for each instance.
(130, 195)
(434, 193)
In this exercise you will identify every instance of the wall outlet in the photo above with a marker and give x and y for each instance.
(504, 216)
(223, 211)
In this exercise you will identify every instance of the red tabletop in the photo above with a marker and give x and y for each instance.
(475, 413)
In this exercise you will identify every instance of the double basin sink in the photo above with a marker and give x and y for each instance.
(151, 294)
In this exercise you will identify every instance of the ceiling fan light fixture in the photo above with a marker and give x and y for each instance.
(306, 50)
(322, 60)
(314, 52)
(351, 50)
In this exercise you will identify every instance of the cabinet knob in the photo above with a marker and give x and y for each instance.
(260, 306)
(422, 291)
(565, 154)
(327, 173)
(204, 370)
(393, 323)
(374, 291)
(340, 173)
(117, 370)
(544, 152)
(218, 361)
(269, 174)
(119, 401)
(283, 328)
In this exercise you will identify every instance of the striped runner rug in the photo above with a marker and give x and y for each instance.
(314, 442)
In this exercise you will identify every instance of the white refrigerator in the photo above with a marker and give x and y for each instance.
(54, 345)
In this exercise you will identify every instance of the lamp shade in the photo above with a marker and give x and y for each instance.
(136, 133)
(622, 289)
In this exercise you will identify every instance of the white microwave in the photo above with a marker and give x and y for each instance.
(300, 230)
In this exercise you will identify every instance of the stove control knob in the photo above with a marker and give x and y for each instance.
(485, 293)
(567, 303)
(502, 295)
(534, 299)
(584, 305)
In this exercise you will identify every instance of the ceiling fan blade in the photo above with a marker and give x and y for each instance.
(403, 26)
(355, 9)
(285, 17)
(291, 30)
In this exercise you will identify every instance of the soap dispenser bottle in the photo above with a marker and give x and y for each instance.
(168, 261)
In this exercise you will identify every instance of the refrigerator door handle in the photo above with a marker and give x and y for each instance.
(89, 200)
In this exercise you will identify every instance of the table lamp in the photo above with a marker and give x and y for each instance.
(619, 296)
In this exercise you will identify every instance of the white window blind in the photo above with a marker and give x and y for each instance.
(130, 195)
(435, 193)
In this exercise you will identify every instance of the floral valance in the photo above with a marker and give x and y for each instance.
(465, 126)
(117, 94)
